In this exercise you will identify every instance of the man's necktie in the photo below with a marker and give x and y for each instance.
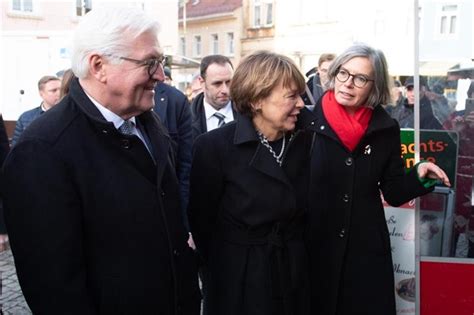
(126, 128)
(221, 118)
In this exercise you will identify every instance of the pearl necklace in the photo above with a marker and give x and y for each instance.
(264, 141)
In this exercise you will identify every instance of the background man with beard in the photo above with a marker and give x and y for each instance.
(213, 108)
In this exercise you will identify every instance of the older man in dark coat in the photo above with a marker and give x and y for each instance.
(91, 195)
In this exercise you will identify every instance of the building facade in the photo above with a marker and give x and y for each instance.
(36, 39)
(208, 27)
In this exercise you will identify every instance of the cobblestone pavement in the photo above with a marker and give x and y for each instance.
(12, 301)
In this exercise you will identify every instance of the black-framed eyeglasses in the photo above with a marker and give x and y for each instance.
(359, 80)
(152, 64)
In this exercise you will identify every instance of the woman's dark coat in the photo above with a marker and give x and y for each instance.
(247, 217)
(349, 244)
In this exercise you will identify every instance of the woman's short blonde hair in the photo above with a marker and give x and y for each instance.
(258, 74)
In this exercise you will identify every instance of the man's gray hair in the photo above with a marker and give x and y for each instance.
(380, 93)
(107, 31)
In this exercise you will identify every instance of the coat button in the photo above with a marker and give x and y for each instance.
(345, 198)
(176, 253)
(105, 131)
(322, 127)
(342, 233)
(312, 123)
(349, 161)
(125, 144)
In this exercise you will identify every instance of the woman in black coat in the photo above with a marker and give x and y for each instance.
(249, 183)
(356, 154)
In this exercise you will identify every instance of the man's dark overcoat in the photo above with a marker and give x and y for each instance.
(174, 110)
(247, 217)
(349, 244)
(95, 225)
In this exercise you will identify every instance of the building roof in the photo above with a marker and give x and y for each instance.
(201, 8)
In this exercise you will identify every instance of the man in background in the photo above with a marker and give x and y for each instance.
(316, 84)
(213, 108)
(49, 90)
(168, 78)
(404, 113)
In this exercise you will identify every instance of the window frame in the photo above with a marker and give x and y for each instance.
(447, 20)
(230, 43)
(262, 13)
(35, 9)
(214, 43)
(197, 46)
(85, 6)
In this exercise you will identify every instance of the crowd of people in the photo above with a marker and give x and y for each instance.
(119, 193)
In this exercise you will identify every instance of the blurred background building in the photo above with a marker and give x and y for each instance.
(36, 35)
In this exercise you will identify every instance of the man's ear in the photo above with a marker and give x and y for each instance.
(97, 67)
(201, 80)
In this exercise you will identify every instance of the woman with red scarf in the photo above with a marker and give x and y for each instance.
(356, 154)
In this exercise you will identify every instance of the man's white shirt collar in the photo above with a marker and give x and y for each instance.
(109, 115)
(226, 111)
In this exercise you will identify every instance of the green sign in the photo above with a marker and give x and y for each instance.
(437, 146)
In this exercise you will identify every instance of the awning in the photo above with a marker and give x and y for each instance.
(180, 62)
(463, 70)
(436, 68)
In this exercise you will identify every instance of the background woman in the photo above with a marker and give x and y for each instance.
(248, 191)
(356, 155)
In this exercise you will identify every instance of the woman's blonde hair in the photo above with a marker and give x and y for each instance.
(258, 74)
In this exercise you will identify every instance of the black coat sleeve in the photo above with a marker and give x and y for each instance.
(206, 189)
(185, 144)
(397, 185)
(44, 221)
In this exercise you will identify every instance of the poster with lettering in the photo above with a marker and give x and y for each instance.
(401, 227)
(439, 147)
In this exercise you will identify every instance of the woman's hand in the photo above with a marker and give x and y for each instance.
(431, 170)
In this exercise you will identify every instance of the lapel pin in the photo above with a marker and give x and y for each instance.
(367, 149)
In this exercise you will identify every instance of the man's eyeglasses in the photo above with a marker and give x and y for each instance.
(151, 64)
(359, 80)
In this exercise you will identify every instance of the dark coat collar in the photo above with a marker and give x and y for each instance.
(78, 95)
(148, 120)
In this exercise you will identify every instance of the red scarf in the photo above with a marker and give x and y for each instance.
(348, 128)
